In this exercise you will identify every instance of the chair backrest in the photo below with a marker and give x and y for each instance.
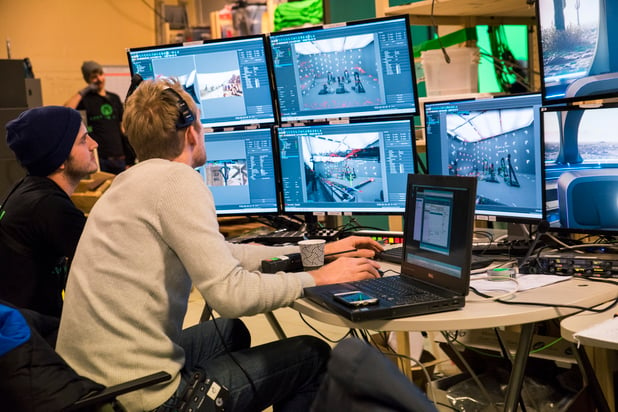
(360, 378)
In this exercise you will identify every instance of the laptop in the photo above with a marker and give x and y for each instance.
(435, 270)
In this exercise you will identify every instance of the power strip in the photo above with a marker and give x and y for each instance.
(285, 263)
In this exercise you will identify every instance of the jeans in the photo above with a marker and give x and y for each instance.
(285, 373)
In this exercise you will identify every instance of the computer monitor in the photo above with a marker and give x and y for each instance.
(581, 168)
(240, 172)
(346, 168)
(498, 141)
(579, 59)
(228, 78)
(345, 70)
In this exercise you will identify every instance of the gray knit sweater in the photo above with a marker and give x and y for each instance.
(151, 236)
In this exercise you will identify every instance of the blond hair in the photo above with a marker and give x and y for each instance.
(150, 118)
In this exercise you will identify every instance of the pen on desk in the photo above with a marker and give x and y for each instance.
(340, 253)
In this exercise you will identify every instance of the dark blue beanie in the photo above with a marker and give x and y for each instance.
(42, 137)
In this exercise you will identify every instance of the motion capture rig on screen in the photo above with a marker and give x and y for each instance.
(498, 141)
(362, 68)
(355, 167)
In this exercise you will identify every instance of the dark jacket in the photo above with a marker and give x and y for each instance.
(33, 377)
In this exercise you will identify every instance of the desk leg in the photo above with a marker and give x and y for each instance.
(274, 323)
(516, 379)
(403, 347)
(591, 382)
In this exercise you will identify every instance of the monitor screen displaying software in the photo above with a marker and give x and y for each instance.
(240, 171)
(581, 168)
(228, 79)
(439, 216)
(498, 141)
(346, 168)
(345, 70)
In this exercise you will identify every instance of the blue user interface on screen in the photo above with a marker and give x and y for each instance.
(338, 168)
(228, 79)
(240, 171)
(345, 71)
(496, 140)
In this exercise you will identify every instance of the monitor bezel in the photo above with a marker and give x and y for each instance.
(492, 217)
(380, 119)
(287, 119)
(267, 63)
(561, 108)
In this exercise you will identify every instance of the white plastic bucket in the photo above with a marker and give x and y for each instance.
(457, 77)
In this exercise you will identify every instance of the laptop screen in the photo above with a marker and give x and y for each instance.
(439, 223)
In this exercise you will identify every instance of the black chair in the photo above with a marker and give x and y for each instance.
(33, 377)
(360, 378)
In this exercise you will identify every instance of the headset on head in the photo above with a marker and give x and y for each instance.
(185, 115)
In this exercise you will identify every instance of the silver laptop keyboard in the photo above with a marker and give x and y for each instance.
(394, 290)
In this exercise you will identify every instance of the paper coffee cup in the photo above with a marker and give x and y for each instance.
(312, 253)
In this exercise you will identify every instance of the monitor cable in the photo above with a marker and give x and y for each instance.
(447, 58)
(230, 354)
(541, 229)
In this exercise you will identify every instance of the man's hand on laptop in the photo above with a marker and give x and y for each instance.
(353, 246)
(346, 269)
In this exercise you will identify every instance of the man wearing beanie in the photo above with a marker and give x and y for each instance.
(39, 224)
(104, 116)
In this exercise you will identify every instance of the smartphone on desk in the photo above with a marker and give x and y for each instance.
(355, 298)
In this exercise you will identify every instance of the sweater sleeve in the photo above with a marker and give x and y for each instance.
(188, 223)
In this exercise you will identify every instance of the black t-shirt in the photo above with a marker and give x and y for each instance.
(104, 118)
(39, 232)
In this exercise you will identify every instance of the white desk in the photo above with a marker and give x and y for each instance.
(479, 314)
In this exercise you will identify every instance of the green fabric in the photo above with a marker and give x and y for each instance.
(298, 13)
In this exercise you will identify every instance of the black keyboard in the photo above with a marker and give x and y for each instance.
(395, 255)
(295, 236)
(396, 291)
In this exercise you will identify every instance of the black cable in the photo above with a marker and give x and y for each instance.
(229, 353)
(447, 58)
(350, 332)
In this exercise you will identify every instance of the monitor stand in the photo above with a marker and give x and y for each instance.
(515, 242)
(517, 231)
(311, 222)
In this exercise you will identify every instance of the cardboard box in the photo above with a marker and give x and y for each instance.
(89, 190)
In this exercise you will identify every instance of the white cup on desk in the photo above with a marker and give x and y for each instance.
(312, 253)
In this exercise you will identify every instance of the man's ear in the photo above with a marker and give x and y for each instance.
(191, 136)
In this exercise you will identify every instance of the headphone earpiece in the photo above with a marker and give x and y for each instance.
(185, 115)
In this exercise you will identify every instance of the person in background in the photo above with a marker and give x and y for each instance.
(154, 235)
(39, 224)
(104, 112)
